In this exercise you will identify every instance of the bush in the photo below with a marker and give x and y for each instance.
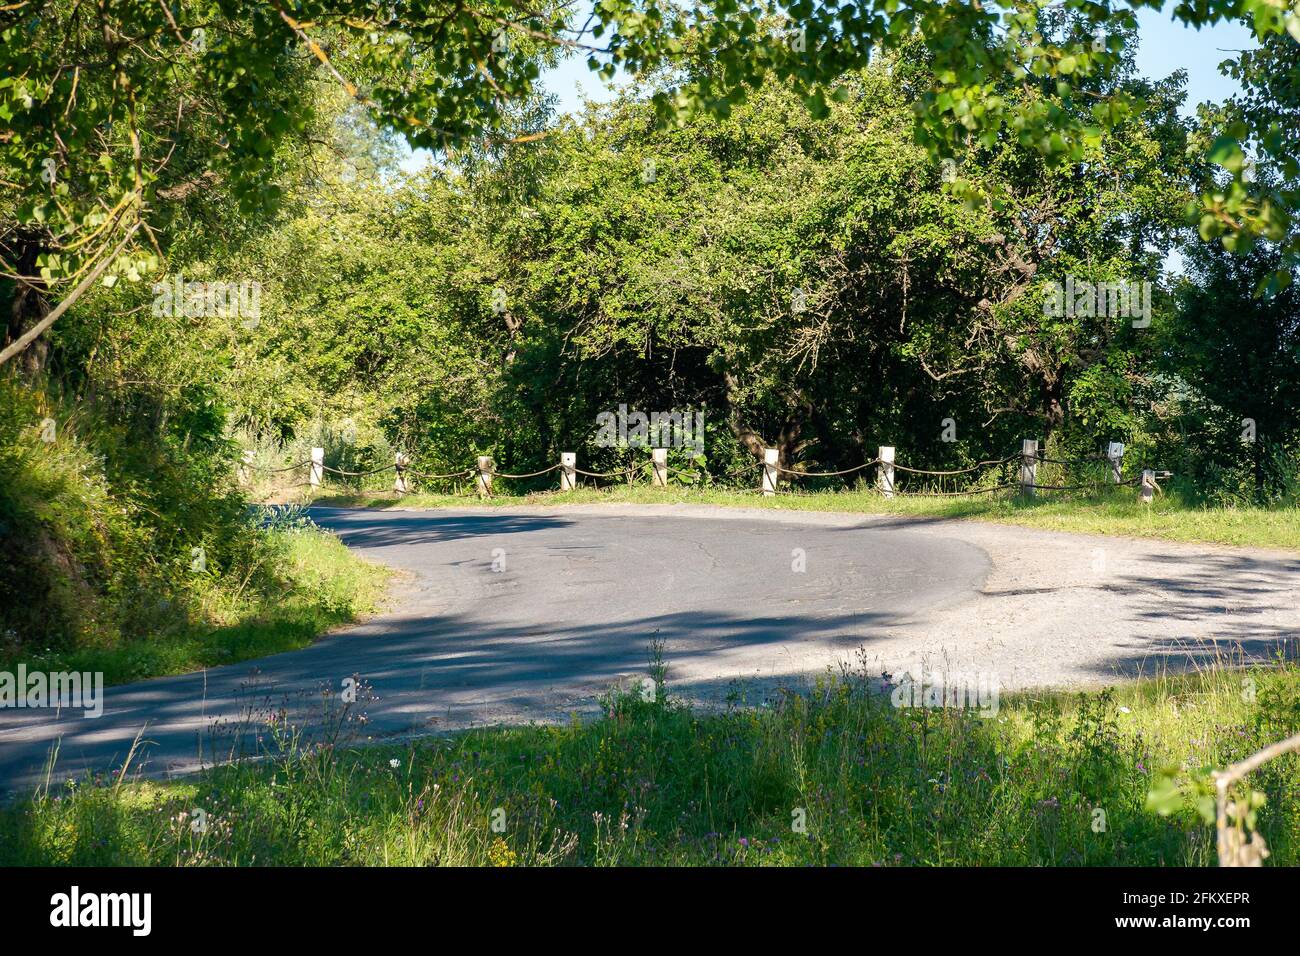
(111, 533)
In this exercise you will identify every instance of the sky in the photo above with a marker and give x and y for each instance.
(1164, 46)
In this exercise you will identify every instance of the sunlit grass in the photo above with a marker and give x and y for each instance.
(838, 776)
(317, 584)
(1116, 512)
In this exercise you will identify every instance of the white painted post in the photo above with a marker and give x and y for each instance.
(317, 466)
(400, 461)
(1115, 452)
(770, 458)
(246, 467)
(885, 478)
(1147, 491)
(659, 460)
(568, 470)
(1028, 466)
(484, 480)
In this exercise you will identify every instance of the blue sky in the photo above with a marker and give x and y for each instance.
(1165, 46)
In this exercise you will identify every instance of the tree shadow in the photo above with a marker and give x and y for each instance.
(1236, 593)
(361, 528)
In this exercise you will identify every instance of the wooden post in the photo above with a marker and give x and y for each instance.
(568, 470)
(1028, 466)
(770, 457)
(246, 467)
(317, 466)
(659, 460)
(885, 478)
(1115, 452)
(484, 480)
(1147, 491)
(400, 461)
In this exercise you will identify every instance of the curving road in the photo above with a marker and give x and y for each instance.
(511, 615)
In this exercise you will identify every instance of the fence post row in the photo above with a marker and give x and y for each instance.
(317, 466)
(770, 479)
(770, 458)
(400, 461)
(484, 480)
(659, 460)
(1028, 466)
(885, 477)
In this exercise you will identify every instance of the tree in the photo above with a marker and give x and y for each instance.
(100, 98)
(1238, 354)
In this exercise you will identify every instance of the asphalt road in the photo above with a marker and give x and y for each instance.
(512, 615)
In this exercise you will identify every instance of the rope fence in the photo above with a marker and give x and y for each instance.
(775, 478)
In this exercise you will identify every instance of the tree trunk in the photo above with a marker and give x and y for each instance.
(1053, 406)
(28, 306)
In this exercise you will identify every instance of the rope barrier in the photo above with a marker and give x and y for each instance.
(454, 474)
(276, 471)
(533, 474)
(829, 474)
(357, 474)
(696, 477)
(960, 471)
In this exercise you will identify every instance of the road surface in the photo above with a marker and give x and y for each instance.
(518, 614)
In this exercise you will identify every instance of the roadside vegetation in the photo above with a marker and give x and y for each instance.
(296, 583)
(129, 551)
(835, 776)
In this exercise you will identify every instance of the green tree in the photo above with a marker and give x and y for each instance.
(1238, 356)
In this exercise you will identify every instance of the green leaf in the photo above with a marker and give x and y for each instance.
(1205, 806)
(1226, 153)
(1164, 797)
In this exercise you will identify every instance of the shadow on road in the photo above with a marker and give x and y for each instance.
(385, 529)
(1238, 593)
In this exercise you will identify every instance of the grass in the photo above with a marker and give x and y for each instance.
(1117, 512)
(309, 582)
(837, 776)
(128, 550)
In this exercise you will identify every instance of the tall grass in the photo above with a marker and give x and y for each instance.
(835, 776)
(134, 554)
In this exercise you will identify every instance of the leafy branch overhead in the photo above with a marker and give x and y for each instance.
(110, 110)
